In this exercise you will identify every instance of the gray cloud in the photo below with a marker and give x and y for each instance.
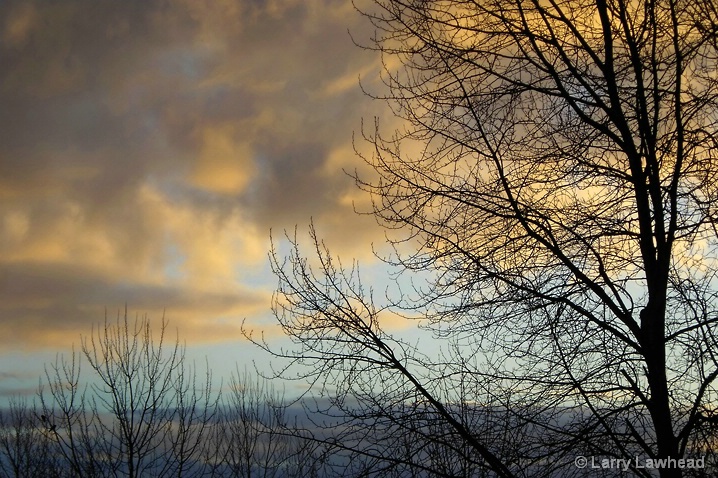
(44, 304)
(146, 148)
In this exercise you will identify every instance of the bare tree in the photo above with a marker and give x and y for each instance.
(257, 434)
(564, 197)
(144, 413)
(68, 420)
(387, 409)
(249, 440)
(25, 448)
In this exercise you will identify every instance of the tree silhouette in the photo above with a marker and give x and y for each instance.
(249, 441)
(557, 176)
(25, 449)
(141, 411)
(145, 413)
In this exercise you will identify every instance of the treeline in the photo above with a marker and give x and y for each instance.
(129, 404)
(147, 412)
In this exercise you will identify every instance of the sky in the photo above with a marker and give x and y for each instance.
(147, 148)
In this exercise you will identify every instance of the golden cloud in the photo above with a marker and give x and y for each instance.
(224, 165)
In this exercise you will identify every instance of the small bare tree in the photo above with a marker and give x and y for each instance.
(258, 434)
(143, 413)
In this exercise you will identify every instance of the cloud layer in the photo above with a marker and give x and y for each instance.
(147, 148)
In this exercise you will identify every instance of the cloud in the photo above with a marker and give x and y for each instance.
(147, 148)
(38, 310)
(224, 165)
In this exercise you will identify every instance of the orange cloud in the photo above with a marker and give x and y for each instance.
(224, 165)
